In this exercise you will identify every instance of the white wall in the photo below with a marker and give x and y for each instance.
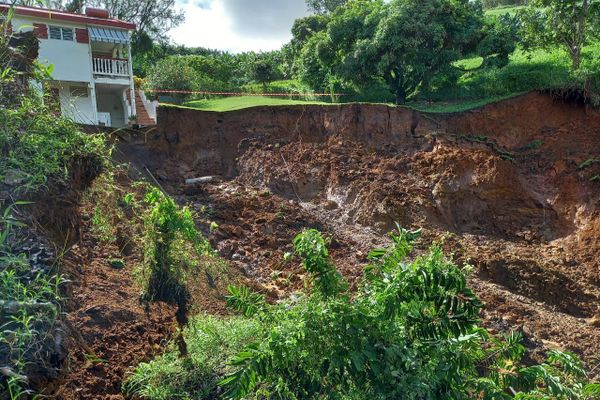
(78, 109)
(112, 102)
(71, 60)
(72, 66)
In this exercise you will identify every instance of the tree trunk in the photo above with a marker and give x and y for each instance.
(400, 95)
(576, 58)
(576, 49)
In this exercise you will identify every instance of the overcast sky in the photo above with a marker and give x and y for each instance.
(237, 25)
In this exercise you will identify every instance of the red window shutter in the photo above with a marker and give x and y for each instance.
(82, 35)
(40, 30)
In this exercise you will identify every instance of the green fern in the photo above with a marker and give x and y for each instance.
(244, 301)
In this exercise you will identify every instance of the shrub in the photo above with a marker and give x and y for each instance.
(196, 377)
(169, 233)
(29, 305)
(171, 74)
(35, 145)
(409, 332)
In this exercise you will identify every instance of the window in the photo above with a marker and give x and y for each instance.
(78, 91)
(61, 33)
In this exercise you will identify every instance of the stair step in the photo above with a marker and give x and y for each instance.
(143, 118)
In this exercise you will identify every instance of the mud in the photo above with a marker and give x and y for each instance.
(507, 187)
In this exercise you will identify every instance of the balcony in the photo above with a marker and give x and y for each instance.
(110, 67)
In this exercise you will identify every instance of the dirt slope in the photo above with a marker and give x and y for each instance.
(512, 188)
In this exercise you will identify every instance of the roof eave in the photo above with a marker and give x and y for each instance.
(69, 17)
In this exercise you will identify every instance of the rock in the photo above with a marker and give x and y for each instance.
(14, 177)
(595, 321)
(330, 205)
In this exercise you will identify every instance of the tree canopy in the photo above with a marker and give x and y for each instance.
(569, 24)
(324, 6)
(403, 43)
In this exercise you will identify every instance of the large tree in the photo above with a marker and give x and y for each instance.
(404, 42)
(570, 24)
(324, 6)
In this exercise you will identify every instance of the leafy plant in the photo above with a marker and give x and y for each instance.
(244, 301)
(168, 229)
(29, 304)
(37, 146)
(409, 332)
(311, 247)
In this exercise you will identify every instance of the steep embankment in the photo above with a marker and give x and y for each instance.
(512, 187)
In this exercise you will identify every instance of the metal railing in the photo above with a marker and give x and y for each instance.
(110, 66)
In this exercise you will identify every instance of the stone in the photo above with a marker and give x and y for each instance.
(14, 177)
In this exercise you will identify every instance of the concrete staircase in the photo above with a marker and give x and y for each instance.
(143, 119)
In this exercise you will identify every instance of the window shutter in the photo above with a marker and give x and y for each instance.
(82, 35)
(67, 34)
(40, 31)
(55, 32)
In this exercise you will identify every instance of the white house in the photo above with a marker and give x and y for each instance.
(91, 58)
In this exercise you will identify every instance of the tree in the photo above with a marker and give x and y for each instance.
(154, 17)
(263, 71)
(570, 24)
(405, 43)
(324, 6)
(498, 40)
(172, 74)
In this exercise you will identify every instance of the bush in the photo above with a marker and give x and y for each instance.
(172, 75)
(172, 377)
(501, 3)
(409, 332)
(29, 306)
(35, 145)
(170, 241)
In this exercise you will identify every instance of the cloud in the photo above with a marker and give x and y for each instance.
(237, 25)
(263, 18)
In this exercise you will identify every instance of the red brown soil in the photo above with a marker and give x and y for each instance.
(501, 185)
(111, 331)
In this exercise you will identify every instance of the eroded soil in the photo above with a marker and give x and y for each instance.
(112, 330)
(509, 188)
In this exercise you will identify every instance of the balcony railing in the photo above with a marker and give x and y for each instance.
(110, 66)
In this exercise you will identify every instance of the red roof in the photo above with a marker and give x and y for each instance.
(66, 16)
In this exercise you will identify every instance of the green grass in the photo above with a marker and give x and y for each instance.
(241, 102)
(444, 107)
(526, 72)
(172, 377)
(494, 12)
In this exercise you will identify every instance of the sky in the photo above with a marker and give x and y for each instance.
(237, 25)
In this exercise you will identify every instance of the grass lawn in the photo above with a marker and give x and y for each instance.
(456, 106)
(240, 102)
(495, 12)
